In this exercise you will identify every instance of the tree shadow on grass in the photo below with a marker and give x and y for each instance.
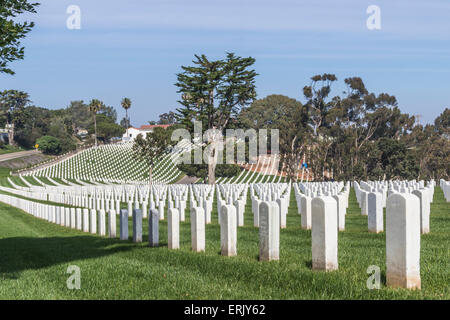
(25, 253)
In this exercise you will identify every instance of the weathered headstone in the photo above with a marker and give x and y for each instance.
(153, 228)
(228, 230)
(324, 234)
(137, 225)
(269, 231)
(403, 241)
(123, 224)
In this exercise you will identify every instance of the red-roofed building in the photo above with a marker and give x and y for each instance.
(144, 129)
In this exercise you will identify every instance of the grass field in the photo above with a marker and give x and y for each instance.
(35, 256)
(10, 149)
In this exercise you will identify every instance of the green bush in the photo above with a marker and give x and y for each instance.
(49, 145)
(67, 144)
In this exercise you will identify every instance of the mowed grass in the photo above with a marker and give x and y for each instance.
(35, 255)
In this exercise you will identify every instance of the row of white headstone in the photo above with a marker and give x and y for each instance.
(100, 162)
(320, 207)
(372, 196)
(83, 219)
(306, 192)
(445, 186)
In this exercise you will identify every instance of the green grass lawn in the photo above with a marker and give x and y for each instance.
(10, 149)
(35, 256)
(4, 172)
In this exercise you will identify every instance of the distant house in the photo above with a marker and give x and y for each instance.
(83, 133)
(4, 133)
(134, 132)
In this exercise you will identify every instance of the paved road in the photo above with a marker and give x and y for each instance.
(187, 180)
(20, 154)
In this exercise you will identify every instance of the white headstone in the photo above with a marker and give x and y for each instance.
(173, 225)
(364, 195)
(305, 203)
(340, 206)
(102, 222)
(228, 230)
(198, 229)
(86, 220)
(112, 223)
(403, 241)
(269, 231)
(93, 222)
(422, 194)
(375, 212)
(324, 234)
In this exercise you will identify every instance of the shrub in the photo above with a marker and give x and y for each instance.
(49, 145)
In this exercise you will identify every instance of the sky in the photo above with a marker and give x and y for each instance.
(135, 48)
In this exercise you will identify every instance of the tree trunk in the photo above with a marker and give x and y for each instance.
(150, 177)
(10, 133)
(212, 173)
(127, 122)
(95, 128)
(212, 162)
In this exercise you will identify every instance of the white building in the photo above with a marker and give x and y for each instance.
(134, 132)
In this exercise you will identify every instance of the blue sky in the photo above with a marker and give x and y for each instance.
(135, 48)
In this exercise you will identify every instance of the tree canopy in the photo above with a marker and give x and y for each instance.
(213, 92)
(12, 32)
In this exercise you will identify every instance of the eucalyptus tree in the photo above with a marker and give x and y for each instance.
(290, 117)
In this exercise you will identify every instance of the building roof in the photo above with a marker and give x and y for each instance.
(146, 127)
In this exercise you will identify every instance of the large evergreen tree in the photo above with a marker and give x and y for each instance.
(11, 32)
(213, 92)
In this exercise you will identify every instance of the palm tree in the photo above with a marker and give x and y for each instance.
(94, 107)
(126, 104)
